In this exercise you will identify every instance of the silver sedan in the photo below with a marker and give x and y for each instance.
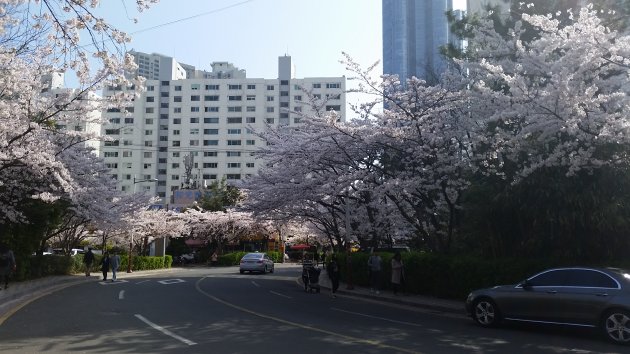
(256, 262)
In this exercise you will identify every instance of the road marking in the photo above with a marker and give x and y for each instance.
(303, 326)
(109, 282)
(256, 284)
(144, 281)
(251, 276)
(165, 331)
(171, 281)
(377, 317)
(275, 293)
(121, 295)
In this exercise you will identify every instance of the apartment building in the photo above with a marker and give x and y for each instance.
(192, 127)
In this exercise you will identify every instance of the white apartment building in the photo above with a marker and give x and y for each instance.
(207, 116)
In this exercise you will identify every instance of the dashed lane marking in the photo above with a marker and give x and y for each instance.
(121, 295)
(275, 293)
(165, 331)
(377, 317)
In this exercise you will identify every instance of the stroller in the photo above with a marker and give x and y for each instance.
(310, 277)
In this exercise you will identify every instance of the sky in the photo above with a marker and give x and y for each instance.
(252, 34)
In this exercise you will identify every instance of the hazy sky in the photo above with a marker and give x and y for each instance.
(251, 34)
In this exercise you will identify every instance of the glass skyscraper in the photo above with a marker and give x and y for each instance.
(413, 31)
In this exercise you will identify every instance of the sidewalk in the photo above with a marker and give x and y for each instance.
(420, 301)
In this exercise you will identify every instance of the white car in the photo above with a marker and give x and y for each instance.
(256, 262)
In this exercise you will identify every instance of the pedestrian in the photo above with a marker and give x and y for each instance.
(7, 264)
(375, 265)
(105, 265)
(114, 262)
(88, 259)
(398, 272)
(214, 259)
(333, 273)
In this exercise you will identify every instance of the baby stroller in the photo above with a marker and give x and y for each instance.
(310, 277)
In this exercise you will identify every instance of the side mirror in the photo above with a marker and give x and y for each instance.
(526, 284)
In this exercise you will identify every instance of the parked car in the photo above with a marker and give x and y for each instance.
(256, 262)
(575, 296)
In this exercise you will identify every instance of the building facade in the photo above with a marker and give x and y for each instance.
(413, 32)
(192, 130)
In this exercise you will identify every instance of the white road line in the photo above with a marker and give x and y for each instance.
(253, 282)
(144, 281)
(165, 331)
(121, 295)
(275, 293)
(377, 317)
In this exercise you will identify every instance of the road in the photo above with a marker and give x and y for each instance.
(201, 310)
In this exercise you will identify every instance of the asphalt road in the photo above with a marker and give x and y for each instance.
(201, 310)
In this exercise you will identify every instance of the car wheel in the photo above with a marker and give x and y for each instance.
(271, 271)
(486, 313)
(264, 271)
(616, 326)
(241, 271)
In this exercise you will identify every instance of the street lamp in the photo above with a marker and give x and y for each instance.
(129, 258)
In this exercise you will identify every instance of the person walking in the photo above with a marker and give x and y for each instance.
(398, 272)
(114, 262)
(105, 265)
(7, 264)
(375, 265)
(88, 259)
(333, 273)
(214, 259)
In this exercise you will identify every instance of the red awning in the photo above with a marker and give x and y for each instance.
(195, 242)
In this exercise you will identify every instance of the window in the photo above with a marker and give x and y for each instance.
(194, 131)
(175, 165)
(335, 96)
(235, 98)
(284, 93)
(178, 88)
(270, 109)
(233, 142)
(317, 96)
(210, 142)
(207, 176)
(148, 132)
(235, 109)
(233, 131)
(177, 110)
(150, 88)
(250, 142)
(150, 99)
(234, 120)
(177, 121)
(176, 154)
(284, 104)
(194, 120)
(212, 87)
(251, 87)
(234, 87)
(233, 153)
(127, 153)
(233, 165)
(317, 85)
(211, 97)
(175, 177)
(297, 87)
(284, 115)
(250, 120)
(176, 143)
(270, 88)
(251, 108)
(210, 154)
(211, 131)
(210, 165)
(194, 86)
(270, 98)
(164, 105)
(194, 143)
(211, 109)
(232, 176)
(297, 109)
(165, 83)
(270, 120)
(212, 120)
(284, 82)
(249, 165)
(163, 94)
(333, 85)
(129, 120)
(591, 279)
(177, 98)
(149, 110)
(163, 116)
(110, 154)
(147, 155)
(333, 108)
(115, 120)
(297, 120)
(297, 97)
(195, 98)
(194, 109)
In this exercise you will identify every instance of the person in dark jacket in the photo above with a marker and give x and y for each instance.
(105, 265)
(333, 273)
(7, 264)
(88, 259)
